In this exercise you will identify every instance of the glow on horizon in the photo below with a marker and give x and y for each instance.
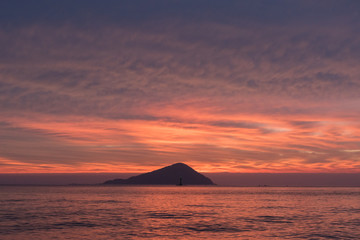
(268, 146)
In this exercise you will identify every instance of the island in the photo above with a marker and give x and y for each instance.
(176, 174)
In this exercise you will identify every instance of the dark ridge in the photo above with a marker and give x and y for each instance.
(176, 174)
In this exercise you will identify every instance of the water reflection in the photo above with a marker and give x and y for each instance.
(172, 212)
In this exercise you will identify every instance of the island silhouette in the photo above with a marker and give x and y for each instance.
(176, 174)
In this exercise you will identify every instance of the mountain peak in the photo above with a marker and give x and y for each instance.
(176, 174)
(178, 164)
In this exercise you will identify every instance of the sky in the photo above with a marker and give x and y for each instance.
(224, 86)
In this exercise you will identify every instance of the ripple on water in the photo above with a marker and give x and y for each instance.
(4, 201)
(205, 227)
(205, 205)
(267, 219)
(165, 215)
(74, 224)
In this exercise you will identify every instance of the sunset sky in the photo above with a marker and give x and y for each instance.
(224, 86)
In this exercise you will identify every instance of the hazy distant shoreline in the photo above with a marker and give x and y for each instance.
(134, 186)
(221, 179)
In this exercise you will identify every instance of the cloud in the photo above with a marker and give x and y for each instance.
(263, 86)
(136, 68)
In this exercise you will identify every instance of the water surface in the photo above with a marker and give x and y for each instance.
(117, 212)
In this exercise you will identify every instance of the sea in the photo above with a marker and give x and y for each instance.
(178, 212)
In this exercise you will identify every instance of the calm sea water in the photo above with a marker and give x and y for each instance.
(97, 212)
